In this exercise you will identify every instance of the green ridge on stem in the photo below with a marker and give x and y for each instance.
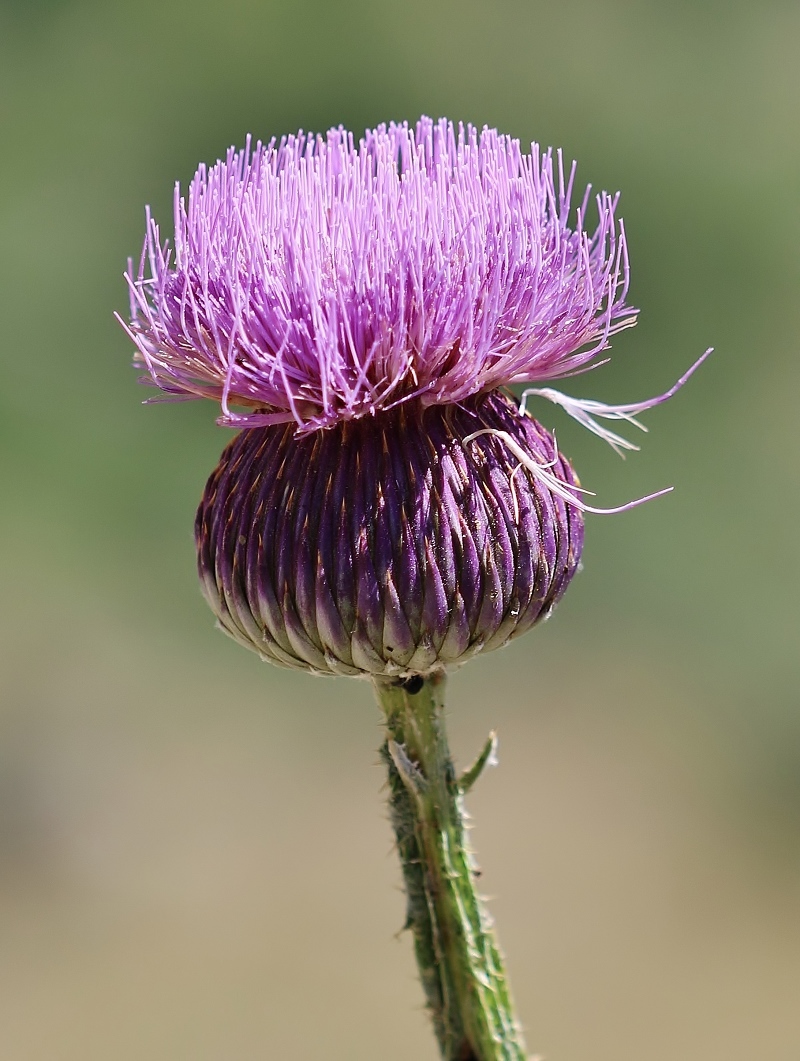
(460, 964)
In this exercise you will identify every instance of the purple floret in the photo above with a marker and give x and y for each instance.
(318, 280)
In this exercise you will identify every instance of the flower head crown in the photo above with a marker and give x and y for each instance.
(317, 280)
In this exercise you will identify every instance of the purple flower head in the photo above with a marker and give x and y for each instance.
(320, 280)
(358, 306)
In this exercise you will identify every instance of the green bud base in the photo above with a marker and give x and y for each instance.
(460, 964)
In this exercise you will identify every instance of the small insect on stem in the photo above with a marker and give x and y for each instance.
(412, 685)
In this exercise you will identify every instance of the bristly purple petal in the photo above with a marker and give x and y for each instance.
(315, 280)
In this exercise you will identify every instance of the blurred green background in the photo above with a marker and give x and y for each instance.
(195, 862)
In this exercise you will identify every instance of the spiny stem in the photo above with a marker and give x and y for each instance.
(460, 964)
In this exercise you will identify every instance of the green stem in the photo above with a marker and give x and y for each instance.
(459, 961)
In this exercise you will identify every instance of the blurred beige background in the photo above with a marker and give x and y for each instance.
(195, 862)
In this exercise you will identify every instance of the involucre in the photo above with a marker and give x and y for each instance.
(386, 545)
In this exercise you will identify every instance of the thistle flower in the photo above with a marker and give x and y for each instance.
(362, 305)
(388, 508)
